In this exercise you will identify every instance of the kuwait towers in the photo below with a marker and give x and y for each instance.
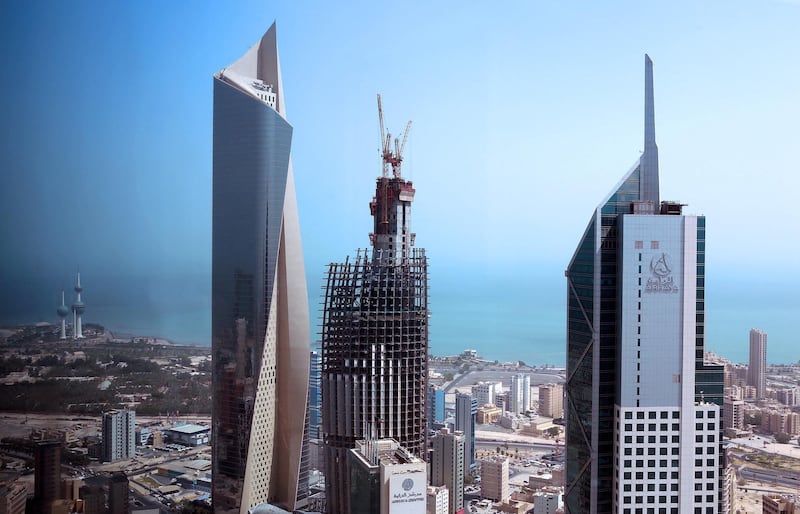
(260, 331)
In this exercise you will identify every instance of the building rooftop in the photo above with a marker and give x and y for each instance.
(190, 429)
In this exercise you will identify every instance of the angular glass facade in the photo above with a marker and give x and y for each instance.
(259, 305)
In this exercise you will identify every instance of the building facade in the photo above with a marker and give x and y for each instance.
(118, 497)
(447, 466)
(520, 397)
(260, 331)
(375, 338)
(494, 479)
(466, 413)
(47, 474)
(643, 409)
(757, 370)
(437, 500)
(386, 479)
(551, 400)
(119, 435)
(315, 396)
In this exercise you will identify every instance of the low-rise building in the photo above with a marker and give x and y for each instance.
(775, 504)
(189, 434)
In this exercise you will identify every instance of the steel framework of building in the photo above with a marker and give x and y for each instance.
(374, 357)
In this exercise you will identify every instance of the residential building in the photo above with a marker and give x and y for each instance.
(733, 414)
(94, 499)
(448, 465)
(494, 479)
(787, 396)
(643, 408)
(547, 503)
(466, 412)
(776, 504)
(485, 392)
(375, 338)
(757, 370)
(437, 500)
(13, 495)
(386, 478)
(259, 306)
(551, 400)
(119, 435)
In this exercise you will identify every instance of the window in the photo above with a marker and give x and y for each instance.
(698, 414)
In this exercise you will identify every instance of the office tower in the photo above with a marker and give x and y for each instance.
(435, 405)
(118, 501)
(259, 319)
(466, 411)
(375, 337)
(494, 478)
(551, 400)
(94, 499)
(315, 396)
(78, 308)
(47, 474)
(757, 371)
(438, 500)
(119, 435)
(635, 349)
(520, 394)
(386, 478)
(447, 466)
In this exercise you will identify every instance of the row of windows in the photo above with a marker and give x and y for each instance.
(653, 414)
(651, 475)
(651, 439)
(663, 510)
(698, 498)
(651, 427)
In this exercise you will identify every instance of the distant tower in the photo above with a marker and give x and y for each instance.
(62, 313)
(47, 478)
(77, 311)
(756, 372)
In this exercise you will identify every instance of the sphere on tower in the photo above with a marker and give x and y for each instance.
(62, 309)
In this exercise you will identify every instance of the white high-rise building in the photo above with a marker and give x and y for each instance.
(438, 500)
(757, 371)
(643, 413)
(520, 394)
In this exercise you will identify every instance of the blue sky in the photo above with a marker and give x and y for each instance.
(525, 115)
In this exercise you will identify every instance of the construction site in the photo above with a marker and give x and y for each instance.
(375, 333)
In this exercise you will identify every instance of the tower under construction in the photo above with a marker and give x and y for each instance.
(375, 333)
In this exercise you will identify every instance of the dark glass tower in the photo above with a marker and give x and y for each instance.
(612, 334)
(260, 338)
(375, 339)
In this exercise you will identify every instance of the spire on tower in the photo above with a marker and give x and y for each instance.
(648, 179)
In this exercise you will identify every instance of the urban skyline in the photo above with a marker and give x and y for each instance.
(740, 102)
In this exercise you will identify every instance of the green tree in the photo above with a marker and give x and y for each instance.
(782, 437)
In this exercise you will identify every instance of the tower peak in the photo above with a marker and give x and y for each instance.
(648, 180)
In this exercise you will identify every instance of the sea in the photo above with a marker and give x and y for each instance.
(506, 318)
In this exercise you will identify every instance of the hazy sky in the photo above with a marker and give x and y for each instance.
(525, 115)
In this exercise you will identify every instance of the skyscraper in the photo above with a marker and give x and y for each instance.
(466, 411)
(119, 435)
(118, 497)
(260, 332)
(315, 396)
(520, 394)
(447, 466)
(636, 379)
(375, 337)
(757, 370)
(47, 474)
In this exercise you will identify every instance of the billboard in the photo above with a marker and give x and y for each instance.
(407, 493)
